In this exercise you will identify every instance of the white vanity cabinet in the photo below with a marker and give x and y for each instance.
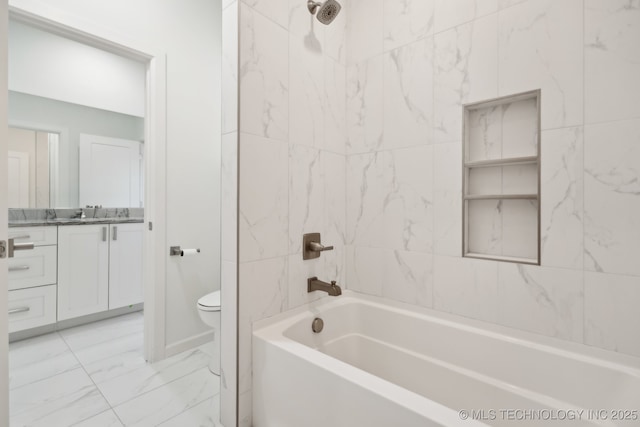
(99, 268)
(83, 270)
(37, 266)
(32, 278)
(125, 265)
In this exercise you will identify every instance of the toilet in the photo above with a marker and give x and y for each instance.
(209, 310)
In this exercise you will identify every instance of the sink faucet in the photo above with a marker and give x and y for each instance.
(313, 284)
(80, 214)
(93, 208)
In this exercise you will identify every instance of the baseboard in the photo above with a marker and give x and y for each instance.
(70, 323)
(189, 343)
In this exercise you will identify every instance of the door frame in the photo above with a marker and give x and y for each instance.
(155, 256)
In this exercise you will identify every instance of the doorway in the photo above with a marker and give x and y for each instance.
(65, 356)
(182, 197)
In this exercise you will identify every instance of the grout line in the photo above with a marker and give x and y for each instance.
(584, 87)
(190, 408)
(268, 18)
(111, 407)
(102, 342)
(434, 153)
(96, 387)
(163, 385)
(99, 413)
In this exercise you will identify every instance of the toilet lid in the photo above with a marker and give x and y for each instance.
(210, 302)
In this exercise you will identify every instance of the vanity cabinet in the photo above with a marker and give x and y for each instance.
(125, 265)
(99, 268)
(35, 267)
(83, 270)
(32, 279)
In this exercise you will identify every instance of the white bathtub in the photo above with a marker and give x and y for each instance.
(381, 363)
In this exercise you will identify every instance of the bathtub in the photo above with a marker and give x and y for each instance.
(378, 363)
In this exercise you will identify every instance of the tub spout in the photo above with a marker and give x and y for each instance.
(313, 284)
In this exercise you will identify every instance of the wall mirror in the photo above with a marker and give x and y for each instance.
(76, 118)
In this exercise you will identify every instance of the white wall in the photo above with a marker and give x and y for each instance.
(410, 71)
(50, 114)
(50, 66)
(4, 290)
(189, 34)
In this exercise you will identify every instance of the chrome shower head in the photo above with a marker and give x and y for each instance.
(325, 12)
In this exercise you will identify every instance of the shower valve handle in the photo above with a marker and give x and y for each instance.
(311, 246)
(317, 247)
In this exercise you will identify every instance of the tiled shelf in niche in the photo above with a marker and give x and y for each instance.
(501, 182)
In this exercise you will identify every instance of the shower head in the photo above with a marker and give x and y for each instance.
(325, 12)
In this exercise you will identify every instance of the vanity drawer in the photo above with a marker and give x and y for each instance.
(30, 308)
(35, 267)
(39, 236)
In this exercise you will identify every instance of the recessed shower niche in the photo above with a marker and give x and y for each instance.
(501, 182)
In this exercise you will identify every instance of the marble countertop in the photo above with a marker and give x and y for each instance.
(71, 221)
(70, 216)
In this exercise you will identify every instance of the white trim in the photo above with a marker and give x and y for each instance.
(155, 202)
(40, 14)
(190, 343)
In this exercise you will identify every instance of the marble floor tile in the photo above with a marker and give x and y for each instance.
(103, 331)
(104, 419)
(207, 348)
(53, 380)
(152, 376)
(60, 400)
(108, 360)
(38, 358)
(169, 400)
(205, 414)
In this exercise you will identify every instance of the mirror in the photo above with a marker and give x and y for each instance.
(76, 115)
(31, 169)
(66, 155)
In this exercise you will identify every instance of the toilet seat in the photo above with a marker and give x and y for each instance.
(210, 302)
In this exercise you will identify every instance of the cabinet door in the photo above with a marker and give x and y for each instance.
(83, 270)
(30, 308)
(110, 171)
(36, 267)
(39, 236)
(125, 265)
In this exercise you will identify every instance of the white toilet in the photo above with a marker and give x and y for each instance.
(209, 310)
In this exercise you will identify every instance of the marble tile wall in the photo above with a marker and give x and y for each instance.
(354, 130)
(292, 151)
(410, 67)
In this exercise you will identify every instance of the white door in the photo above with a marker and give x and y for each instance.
(109, 172)
(125, 265)
(18, 174)
(83, 270)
